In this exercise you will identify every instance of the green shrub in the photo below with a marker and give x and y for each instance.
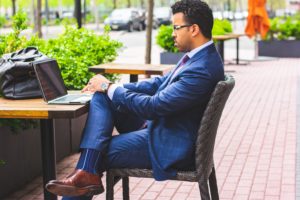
(17, 125)
(2, 162)
(75, 50)
(2, 21)
(13, 41)
(89, 18)
(221, 27)
(69, 21)
(284, 28)
(165, 40)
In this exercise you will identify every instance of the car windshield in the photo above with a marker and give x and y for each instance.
(121, 14)
(162, 12)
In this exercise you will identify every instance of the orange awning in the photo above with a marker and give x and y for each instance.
(258, 21)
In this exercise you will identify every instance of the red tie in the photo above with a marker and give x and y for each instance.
(184, 60)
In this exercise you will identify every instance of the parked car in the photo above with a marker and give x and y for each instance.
(217, 15)
(155, 22)
(67, 14)
(229, 15)
(51, 14)
(125, 19)
(238, 15)
(142, 16)
(162, 15)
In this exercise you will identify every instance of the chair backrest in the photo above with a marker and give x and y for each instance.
(208, 127)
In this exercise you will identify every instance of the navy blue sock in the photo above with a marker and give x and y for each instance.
(89, 160)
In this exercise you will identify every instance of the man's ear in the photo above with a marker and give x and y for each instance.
(196, 30)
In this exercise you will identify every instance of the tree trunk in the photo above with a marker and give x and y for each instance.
(13, 7)
(32, 13)
(162, 2)
(84, 11)
(96, 14)
(128, 3)
(60, 8)
(38, 17)
(142, 4)
(115, 4)
(47, 11)
(149, 31)
(78, 13)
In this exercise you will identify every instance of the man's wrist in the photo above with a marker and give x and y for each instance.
(112, 88)
(105, 86)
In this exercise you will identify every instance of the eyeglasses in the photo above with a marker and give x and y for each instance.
(177, 27)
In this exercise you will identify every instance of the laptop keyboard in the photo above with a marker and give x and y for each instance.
(74, 98)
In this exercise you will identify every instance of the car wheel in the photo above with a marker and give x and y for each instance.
(140, 28)
(130, 27)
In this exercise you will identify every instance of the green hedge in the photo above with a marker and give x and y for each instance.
(75, 50)
(2, 21)
(284, 28)
(165, 40)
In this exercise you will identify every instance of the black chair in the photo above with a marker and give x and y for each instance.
(204, 172)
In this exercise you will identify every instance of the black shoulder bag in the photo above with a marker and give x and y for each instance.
(17, 76)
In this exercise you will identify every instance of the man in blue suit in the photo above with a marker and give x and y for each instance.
(158, 118)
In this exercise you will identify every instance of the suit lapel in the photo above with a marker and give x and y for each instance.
(175, 68)
(196, 57)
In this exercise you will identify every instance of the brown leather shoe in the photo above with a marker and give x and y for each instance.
(77, 183)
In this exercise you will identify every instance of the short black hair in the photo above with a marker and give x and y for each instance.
(196, 12)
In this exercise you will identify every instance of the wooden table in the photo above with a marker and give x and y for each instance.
(222, 38)
(133, 69)
(38, 109)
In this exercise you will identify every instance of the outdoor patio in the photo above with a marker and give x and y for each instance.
(256, 146)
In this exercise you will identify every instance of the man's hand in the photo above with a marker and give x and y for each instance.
(94, 85)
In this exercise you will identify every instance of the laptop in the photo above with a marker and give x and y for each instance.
(52, 85)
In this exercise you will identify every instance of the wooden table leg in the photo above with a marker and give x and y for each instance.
(220, 47)
(133, 78)
(48, 155)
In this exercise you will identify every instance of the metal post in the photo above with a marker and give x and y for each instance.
(48, 155)
(133, 78)
(237, 50)
(220, 47)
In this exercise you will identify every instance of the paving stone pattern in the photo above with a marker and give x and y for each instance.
(255, 151)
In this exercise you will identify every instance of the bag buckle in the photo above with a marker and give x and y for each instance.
(31, 73)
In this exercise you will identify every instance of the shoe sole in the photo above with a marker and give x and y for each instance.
(65, 190)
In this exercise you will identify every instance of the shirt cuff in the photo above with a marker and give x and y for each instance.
(111, 90)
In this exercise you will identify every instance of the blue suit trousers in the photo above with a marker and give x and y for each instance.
(129, 149)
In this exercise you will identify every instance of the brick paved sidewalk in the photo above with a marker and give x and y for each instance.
(255, 152)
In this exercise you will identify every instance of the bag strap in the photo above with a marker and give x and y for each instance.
(26, 54)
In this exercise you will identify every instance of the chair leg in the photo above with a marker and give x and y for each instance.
(109, 185)
(125, 182)
(204, 191)
(213, 185)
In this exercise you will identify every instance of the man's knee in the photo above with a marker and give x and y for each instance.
(100, 100)
(129, 150)
(99, 97)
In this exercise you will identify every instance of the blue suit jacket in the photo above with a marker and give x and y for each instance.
(173, 108)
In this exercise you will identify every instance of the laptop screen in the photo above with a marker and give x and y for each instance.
(51, 82)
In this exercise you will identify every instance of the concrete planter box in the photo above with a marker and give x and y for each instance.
(22, 152)
(170, 58)
(22, 155)
(279, 48)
